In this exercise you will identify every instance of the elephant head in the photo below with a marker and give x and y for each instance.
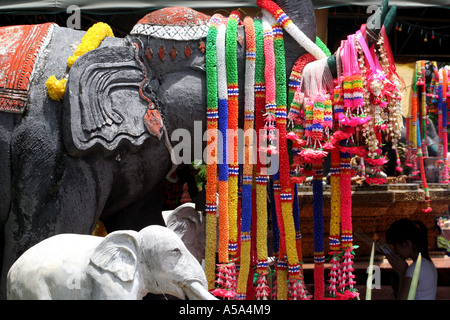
(189, 225)
(124, 92)
(154, 260)
(103, 105)
(158, 71)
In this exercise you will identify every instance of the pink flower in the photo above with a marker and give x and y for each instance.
(311, 153)
(313, 156)
(269, 127)
(299, 143)
(269, 136)
(377, 161)
(328, 146)
(291, 136)
(357, 150)
(353, 121)
(229, 294)
(341, 135)
(429, 209)
(269, 116)
(218, 292)
(270, 149)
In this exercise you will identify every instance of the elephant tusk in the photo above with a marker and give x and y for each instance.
(196, 291)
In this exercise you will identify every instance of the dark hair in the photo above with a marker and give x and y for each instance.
(415, 231)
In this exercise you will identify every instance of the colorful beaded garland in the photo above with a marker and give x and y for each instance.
(233, 110)
(247, 188)
(319, 121)
(284, 170)
(211, 166)
(261, 178)
(223, 126)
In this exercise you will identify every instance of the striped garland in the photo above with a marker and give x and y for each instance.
(319, 257)
(262, 267)
(233, 110)
(269, 76)
(223, 164)
(225, 271)
(335, 220)
(246, 218)
(211, 163)
(346, 281)
(312, 120)
(442, 101)
(261, 176)
(284, 166)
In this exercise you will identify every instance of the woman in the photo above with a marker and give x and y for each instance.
(408, 239)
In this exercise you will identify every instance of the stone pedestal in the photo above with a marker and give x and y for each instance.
(374, 209)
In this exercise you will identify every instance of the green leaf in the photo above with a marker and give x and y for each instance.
(415, 278)
(197, 163)
(370, 274)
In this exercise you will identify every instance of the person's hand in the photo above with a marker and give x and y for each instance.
(397, 263)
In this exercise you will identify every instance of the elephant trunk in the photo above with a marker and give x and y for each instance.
(196, 291)
(302, 14)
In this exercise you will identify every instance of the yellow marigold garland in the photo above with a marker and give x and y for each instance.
(91, 40)
(56, 88)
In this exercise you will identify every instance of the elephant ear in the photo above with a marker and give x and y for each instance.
(103, 103)
(117, 254)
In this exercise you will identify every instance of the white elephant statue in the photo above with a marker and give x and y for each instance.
(189, 225)
(122, 265)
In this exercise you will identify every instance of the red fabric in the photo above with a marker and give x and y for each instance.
(175, 16)
(21, 46)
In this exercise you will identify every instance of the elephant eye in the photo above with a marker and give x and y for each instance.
(176, 250)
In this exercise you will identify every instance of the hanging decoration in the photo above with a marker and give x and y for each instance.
(212, 114)
(297, 125)
(247, 188)
(233, 93)
(223, 269)
(270, 117)
(262, 267)
(428, 100)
